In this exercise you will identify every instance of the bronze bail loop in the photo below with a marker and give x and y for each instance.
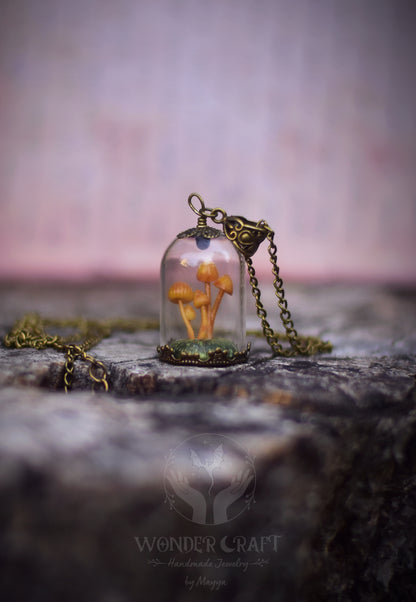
(201, 213)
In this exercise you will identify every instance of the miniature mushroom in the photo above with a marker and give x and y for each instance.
(207, 272)
(201, 302)
(190, 312)
(180, 293)
(225, 285)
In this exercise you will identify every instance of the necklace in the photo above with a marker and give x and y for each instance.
(75, 337)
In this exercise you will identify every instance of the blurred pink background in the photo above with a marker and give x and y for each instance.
(301, 112)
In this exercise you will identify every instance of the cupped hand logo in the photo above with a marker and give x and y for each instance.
(192, 497)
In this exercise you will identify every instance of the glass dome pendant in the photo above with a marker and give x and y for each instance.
(202, 319)
(203, 298)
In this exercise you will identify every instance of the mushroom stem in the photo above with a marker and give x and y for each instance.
(208, 294)
(215, 307)
(204, 330)
(190, 330)
(208, 291)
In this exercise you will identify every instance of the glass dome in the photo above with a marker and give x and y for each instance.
(202, 318)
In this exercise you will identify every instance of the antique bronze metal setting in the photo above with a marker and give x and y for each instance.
(216, 358)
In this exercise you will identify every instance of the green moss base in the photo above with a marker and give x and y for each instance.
(202, 352)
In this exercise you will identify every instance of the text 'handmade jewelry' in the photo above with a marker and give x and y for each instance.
(203, 295)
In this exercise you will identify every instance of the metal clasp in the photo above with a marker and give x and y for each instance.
(245, 235)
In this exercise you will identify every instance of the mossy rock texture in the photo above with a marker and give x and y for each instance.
(203, 347)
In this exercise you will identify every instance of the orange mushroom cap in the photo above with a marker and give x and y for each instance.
(225, 284)
(207, 272)
(200, 299)
(190, 312)
(180, 291)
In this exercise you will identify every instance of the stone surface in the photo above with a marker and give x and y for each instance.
(331, 442)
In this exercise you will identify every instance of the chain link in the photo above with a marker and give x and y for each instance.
(69, 369)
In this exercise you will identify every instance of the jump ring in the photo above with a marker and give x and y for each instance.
(192, 206)
(214, 215)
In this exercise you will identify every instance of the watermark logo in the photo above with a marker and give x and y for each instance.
(209, 479)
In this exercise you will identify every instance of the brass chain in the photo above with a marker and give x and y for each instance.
(299, 344)
(31, 331)
(246, 236)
